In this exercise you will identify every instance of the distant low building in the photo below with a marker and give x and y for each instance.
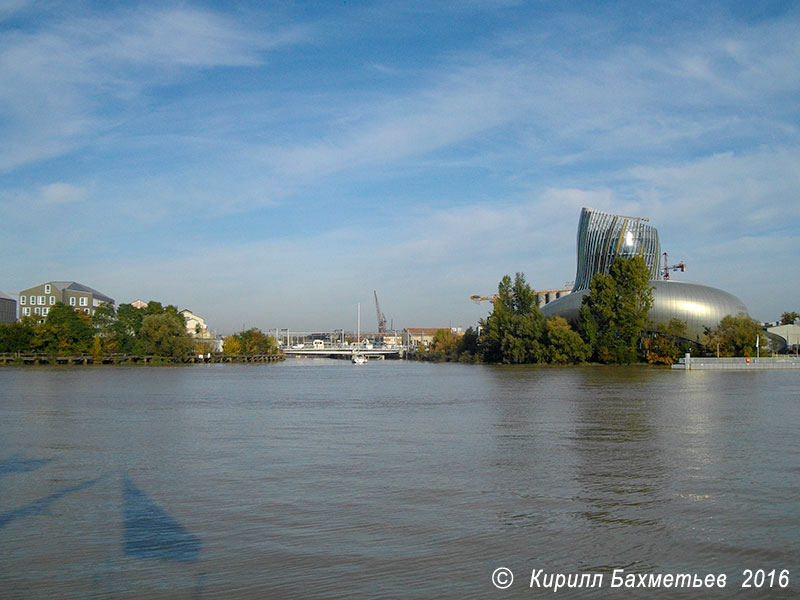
(37, 301)
(394, 339)
(547, 296)
(8, 309)
(423, 336)
(139, 304)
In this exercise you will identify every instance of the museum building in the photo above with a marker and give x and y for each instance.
(602, 237)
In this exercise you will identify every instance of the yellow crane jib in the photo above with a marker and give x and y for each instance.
(478, 299)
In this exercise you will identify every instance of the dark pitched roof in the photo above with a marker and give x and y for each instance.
(79, 287)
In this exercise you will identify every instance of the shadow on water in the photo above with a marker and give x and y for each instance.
(16, 464)
(152, 533)
(39, 506)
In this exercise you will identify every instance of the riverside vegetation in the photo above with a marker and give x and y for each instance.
(154, 330)
(612, 327)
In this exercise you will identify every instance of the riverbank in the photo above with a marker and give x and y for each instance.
(692, 363)
(23, 358)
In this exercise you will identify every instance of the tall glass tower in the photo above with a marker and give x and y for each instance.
(602, 237)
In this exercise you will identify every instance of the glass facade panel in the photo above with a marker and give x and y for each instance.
(602, 237)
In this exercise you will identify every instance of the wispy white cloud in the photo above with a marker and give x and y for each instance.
(12, 7)
(753, 191)
(61, 193)
(695, 129)
(68, 81)
(451, 111)
(626, 102)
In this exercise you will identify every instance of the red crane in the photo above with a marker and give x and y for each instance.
(681, 266)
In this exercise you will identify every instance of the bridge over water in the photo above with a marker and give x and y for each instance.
(341, 351)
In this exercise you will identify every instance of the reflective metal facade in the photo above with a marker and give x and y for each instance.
(602, 237)
(699, 306)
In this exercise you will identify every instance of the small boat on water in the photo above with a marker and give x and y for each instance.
(358, 359)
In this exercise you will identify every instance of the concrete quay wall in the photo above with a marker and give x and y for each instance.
(691, 363)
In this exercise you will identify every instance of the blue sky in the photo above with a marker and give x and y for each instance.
(271, 164)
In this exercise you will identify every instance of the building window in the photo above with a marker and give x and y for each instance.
(42, 300)
(22, 299)
(72, 301)
(52, 300)
(83, 300)
(47, 289)
(45, 311)
(36, 310)
(86, 310)
(26, 311)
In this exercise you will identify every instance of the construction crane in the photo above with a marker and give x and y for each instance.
(478, 299)
(681, 266)
(381, 316)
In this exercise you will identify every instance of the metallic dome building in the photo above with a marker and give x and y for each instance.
(602, 237)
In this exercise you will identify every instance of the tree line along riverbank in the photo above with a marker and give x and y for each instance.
(612, 328)
(152, 335)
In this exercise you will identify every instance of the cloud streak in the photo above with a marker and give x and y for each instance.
(309, 164)
(66, 82)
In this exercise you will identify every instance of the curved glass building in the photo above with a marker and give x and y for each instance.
(602, 237)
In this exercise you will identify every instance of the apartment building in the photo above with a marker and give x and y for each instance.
(38, 300)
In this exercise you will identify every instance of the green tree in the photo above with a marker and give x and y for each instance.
(129, 321)
(204, 346)
(98, 347)
(667, 343)
(442, 347)
(255, 341)
(18, 336)
(613, 315)
(232, 345)
(522, 342)
(165, 335)
(788, 318)
(444, 340)
(64, 331)
(126, 327)
(497, 323)
(735, 336)
(514, 331)
(564, 345)
(104, 319)
(104, 322)
(252, 341)
(467, 347)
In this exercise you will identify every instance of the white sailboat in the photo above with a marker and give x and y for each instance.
(358, 359)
